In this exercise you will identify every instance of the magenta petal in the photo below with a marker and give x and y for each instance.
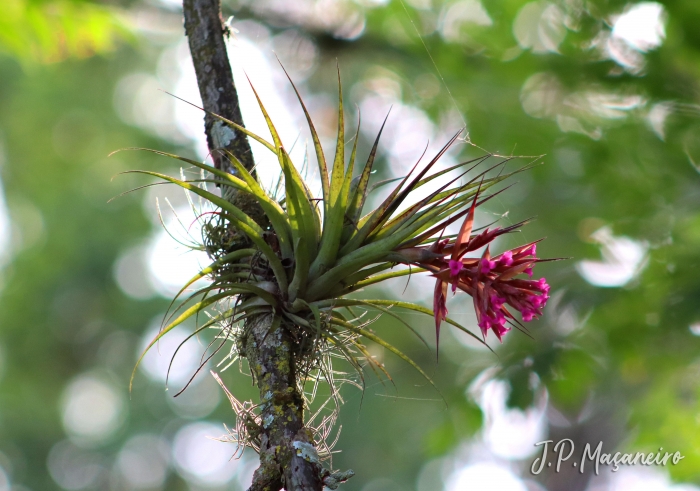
(499, 330)
(497, 302)
(506, 259)
(487, 266)
(485, 324)
(455, 267)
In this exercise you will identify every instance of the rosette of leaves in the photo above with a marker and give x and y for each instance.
(300, 266)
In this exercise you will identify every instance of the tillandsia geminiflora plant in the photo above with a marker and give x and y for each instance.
(282, 289)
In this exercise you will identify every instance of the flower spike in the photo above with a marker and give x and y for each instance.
(491, 280)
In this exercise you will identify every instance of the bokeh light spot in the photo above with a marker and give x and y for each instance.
(92, 410)
(73, 468)
(143, 462)
(201, 459)
(623, 259)
(484, 477)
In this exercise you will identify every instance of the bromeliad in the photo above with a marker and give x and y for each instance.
(492, 282)
(313, 256)
(296, 269)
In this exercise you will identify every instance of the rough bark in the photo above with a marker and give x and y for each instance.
(288, 457)
(205, 33)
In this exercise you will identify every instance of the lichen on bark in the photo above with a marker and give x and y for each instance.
(273, 364)
(268, 348)
(205, 33)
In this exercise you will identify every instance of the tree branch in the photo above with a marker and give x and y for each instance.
(205, 33)
(287, 455)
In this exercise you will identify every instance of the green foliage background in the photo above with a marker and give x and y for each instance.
(631, 361)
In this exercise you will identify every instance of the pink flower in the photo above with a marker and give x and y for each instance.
(530, 251)
(455, 268)
(487, 265)
(495, 323)
(506, 258)
(539, 301)
(497, 302)
(485, 324)
(499, 330)
(498, 286)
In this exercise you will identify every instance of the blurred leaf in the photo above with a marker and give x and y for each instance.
(460, 422)
(48, 32)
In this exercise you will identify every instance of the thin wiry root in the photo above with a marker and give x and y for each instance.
(319, 382)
